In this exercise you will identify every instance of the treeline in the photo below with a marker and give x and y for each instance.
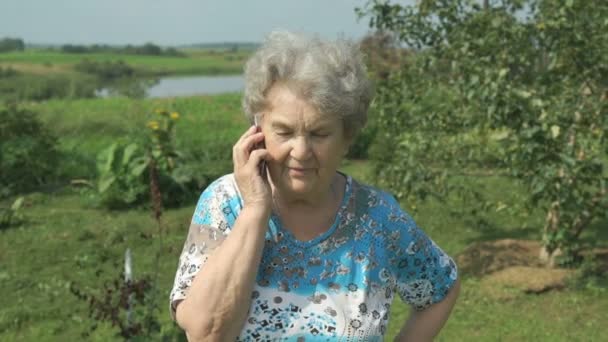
(224, 46)
(11, 44)
(148, 49)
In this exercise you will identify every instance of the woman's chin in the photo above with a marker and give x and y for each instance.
(299, 186)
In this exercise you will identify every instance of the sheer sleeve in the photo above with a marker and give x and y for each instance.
(211, 223)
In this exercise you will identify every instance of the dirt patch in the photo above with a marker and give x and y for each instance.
(491, 256)
(529, 279)
(509, 267)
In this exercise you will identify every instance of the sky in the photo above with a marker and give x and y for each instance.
(174, 22)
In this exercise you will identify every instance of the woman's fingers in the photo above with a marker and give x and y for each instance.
(247, 158)
(256, 157)
(242, 149)
(250, 131)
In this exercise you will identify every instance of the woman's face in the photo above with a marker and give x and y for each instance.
(305, 146)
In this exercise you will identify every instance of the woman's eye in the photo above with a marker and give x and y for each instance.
(283, 134)
(320, 134)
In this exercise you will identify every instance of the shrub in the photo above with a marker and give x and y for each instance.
(121, 171)
(363, 141)
(19, 87)
(28, 151)
(106, 71)
(124, 168)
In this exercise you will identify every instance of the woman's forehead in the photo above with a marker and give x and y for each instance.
(284, 119)
(285, 107)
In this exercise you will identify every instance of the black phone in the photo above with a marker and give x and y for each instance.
(262, 166)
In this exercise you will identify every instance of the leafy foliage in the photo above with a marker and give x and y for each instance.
(121, 175)
(516, 88)
(108, 70)
(359, 148)
(382, 53)
(28, 151)
(125, 168)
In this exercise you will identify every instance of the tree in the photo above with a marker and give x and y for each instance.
(11, 44)
(383, 56)
(519, 86)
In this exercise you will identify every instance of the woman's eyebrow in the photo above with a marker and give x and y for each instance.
(278, 124)
(318, 126)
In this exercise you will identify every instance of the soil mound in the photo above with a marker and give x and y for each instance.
(511, 265)
(486, 257)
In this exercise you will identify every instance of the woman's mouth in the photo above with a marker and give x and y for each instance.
(299, 171)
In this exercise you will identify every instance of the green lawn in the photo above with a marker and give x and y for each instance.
(65, 240)
(195, 62)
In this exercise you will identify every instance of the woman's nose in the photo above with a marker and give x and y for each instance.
(301, 148)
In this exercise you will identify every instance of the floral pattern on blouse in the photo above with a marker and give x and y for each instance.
(337, 286)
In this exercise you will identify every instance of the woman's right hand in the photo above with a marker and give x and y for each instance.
(254, 189)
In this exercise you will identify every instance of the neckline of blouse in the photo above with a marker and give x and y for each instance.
(275, 220)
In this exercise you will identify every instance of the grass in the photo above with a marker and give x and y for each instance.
(65, 240)
(195, 62)
(87, 126)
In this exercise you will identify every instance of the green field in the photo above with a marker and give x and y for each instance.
(196, 62)
(65, 240)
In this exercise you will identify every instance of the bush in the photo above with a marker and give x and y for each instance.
(28, 151)
(363, 141)
(106, 71)
(127, 170)
(124, 177)
(17, 87)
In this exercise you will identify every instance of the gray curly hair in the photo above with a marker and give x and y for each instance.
(330, 75)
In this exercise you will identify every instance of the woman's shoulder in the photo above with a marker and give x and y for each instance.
(219, 202)
(225, 183)
(221, 189)
(371, 202)
(372, 197)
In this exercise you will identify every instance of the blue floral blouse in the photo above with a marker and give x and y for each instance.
(338, 286)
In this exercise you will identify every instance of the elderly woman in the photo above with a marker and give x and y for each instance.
(296, 250)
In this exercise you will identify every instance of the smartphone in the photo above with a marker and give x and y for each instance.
(262, 166)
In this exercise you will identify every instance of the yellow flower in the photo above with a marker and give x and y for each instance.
(540, 26)
(153, 125)
(175, 115)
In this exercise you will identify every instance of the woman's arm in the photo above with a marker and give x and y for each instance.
(425, 325)
(217, 303)
(219, 298)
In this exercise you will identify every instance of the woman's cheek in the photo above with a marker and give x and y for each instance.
(277, 149)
